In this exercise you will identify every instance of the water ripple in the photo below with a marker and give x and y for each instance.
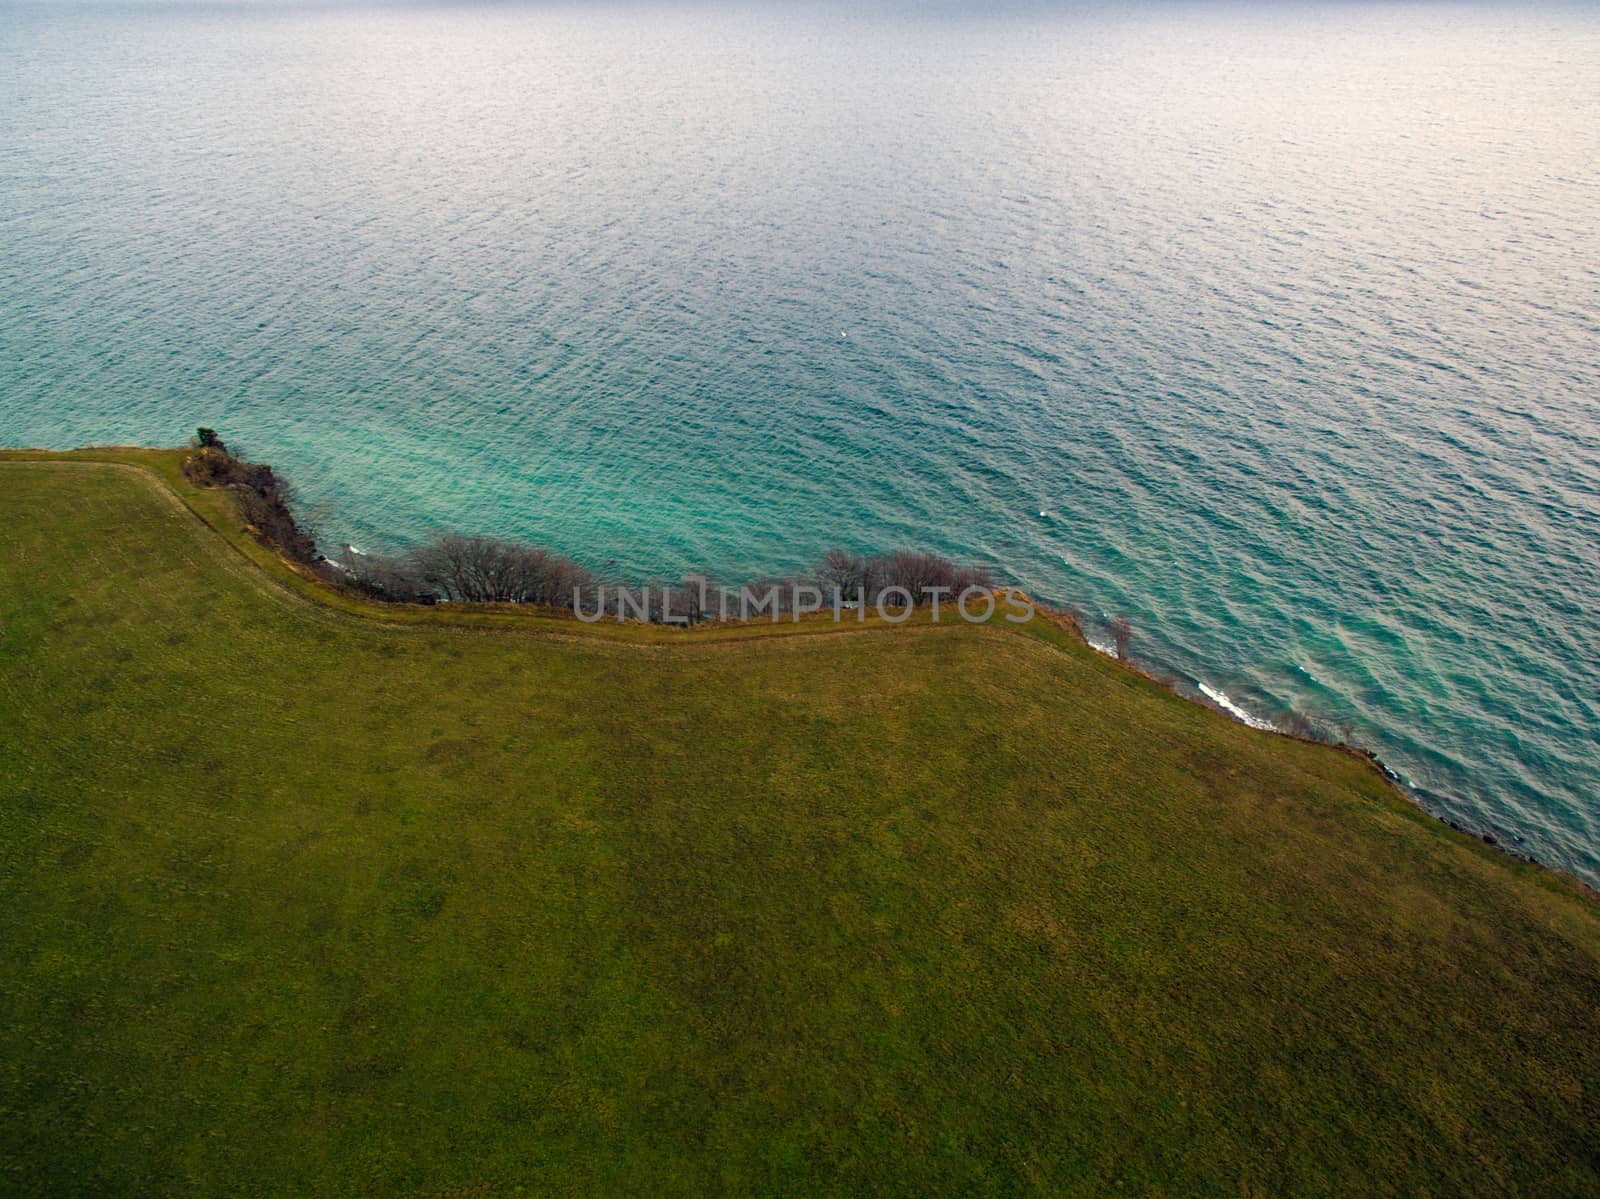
(1286, 318)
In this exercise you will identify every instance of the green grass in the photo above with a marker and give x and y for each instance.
(296, 900)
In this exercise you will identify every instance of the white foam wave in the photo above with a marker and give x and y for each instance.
(1220, 698)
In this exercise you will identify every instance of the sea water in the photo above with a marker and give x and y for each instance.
(1271, 327)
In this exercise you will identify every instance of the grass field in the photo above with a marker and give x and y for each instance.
(298, 901)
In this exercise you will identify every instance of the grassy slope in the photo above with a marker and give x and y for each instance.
(292, 901)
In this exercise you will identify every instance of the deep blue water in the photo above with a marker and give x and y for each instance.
(1273, 327)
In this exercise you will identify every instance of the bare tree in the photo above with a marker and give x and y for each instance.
(843, 573)
(967, 577)
(915, 572)
(393, 579)
(485, 570)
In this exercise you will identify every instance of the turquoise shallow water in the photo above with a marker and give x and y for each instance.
(1272, 327)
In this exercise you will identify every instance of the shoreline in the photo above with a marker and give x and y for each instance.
(1216, 700)
(958, 868)
(164, 466)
